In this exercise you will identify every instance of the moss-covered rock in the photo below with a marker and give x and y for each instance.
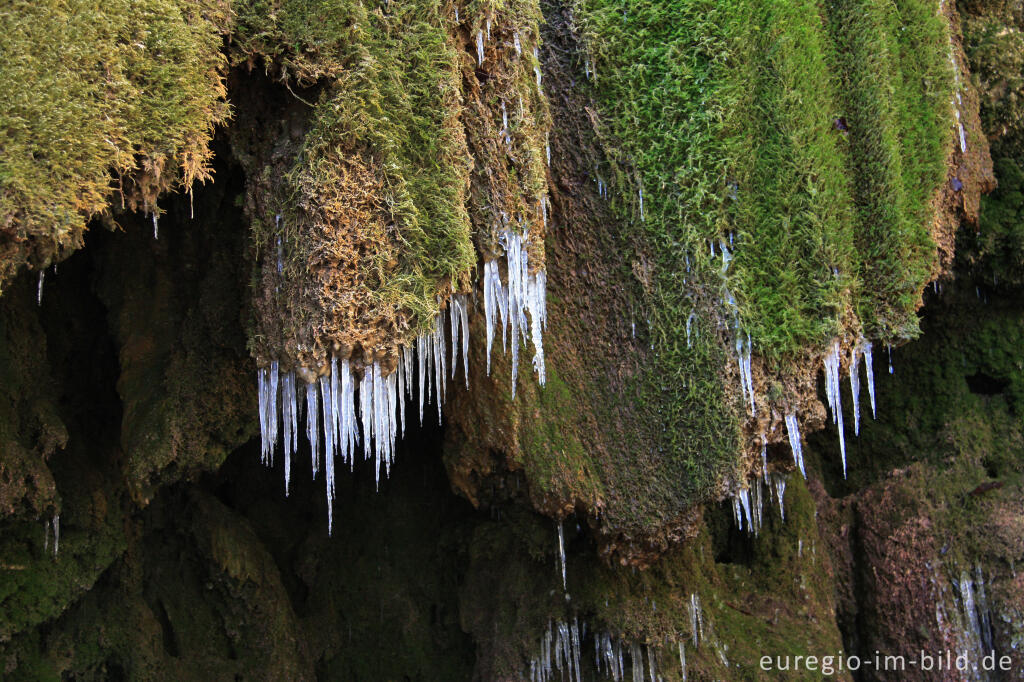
(129, 89)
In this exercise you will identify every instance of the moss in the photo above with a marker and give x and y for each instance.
(900, 127)
(369, 224)
(35, 585)
(758, 127)
(554, 458)
(129, 88)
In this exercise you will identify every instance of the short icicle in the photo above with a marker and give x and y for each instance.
(793, 429)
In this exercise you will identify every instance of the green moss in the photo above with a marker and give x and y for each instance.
(381, 176)
(994, 43)
(132, 88)
(35, 585)
(897, 85)
(731, 118)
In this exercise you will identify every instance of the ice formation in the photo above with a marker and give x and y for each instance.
(777, 483)
(855, 386)
(536, 68)
(764, 455)
(346, 406)
(748, 505)
(559, 650)
(479, 48)
(615, 657)
(743, 360)
(832, 393)
(524, 294)
(869, 370)
(696, 620)
(793, 429)
(559, 656)
(974, 635)
(39, 294)
(561, 552)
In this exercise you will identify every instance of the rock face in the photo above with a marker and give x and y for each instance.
(677, 214)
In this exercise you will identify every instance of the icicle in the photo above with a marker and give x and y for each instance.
(464, 317)
(263, 392)
(506, 135)
(156, 226)
(349, 425)
(492, 291)
(869, 370)
(547, 147)
(726, 256)
(890, 359)
(327, 400)
(312, 425)
(536, 305)
(536, 67)
(454, 317)
(779, 484)
(440, 376)
(39, 294)
(56, 534)
(746, 376)
(518, 45)
(640, 193)
(335, 409)
(794, 442)
(377, 426)
(689, 322)
(637, 659)
(695, 619)
(855, 385)
(289, 409)
(764, 455)
(682, 658)
(833, 394)
(561, 552)
(479, 48)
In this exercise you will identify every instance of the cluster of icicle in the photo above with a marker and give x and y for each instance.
(698, 635)
(609, 657)
(520, 304)
(559, 650)
(832, 362)
(748, 503)
(615, 658)
(559, 656)
(975, 633)
(351, 410)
